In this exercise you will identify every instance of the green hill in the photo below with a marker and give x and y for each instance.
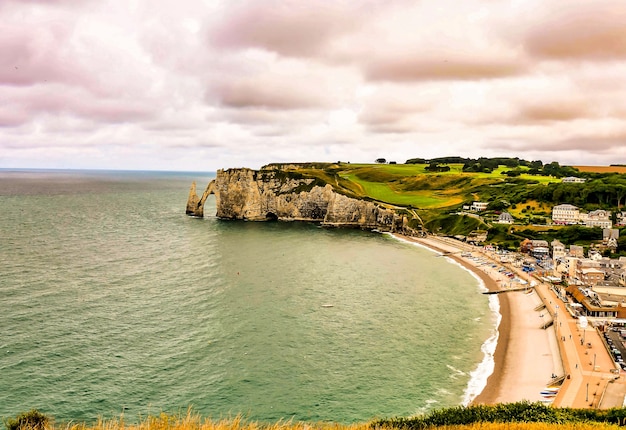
(435, 191)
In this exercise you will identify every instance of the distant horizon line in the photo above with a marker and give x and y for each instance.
(77, 169)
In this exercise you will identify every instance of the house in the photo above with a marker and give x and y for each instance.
(599, 218)
(591, 276)
(536, 248)
(565, 267)
(608, 234)
(505, 218)
(576, 251)
(609, 238)
(620, 219)
(573, 180)
(589, 271)
(479, 206)
(540, 252)
(558, 249)
(565, 214)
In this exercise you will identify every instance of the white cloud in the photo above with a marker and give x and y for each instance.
(212, 84)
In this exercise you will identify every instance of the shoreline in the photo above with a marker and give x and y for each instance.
(524, 358)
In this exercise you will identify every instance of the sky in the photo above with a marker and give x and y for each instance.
(199, 85)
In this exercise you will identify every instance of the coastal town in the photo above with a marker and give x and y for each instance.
(595, 283)
(579, 302)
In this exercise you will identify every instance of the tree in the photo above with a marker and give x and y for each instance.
(381, 160)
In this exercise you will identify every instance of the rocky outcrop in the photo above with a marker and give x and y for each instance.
(195, 204)
(275, 194)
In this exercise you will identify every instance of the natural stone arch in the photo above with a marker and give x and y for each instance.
(195, 204)
(271, 216)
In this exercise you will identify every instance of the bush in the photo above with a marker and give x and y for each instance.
(31, 420)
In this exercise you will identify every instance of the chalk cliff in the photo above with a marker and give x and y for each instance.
(276, 194)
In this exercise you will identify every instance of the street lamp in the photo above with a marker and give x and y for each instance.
(594, 361)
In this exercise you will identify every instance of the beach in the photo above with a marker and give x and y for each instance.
(526, 355)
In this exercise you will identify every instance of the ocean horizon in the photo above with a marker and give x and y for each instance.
(117, 302)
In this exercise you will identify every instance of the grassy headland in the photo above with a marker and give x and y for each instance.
(437, 191)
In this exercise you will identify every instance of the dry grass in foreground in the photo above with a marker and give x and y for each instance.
(193, 422)
(509, 416)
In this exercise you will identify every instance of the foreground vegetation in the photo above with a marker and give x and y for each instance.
(512, 416)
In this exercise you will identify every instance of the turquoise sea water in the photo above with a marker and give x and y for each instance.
(113, 301)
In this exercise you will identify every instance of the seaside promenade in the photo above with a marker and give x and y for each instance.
(591, 378)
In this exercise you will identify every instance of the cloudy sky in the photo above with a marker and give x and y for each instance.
(206, 84)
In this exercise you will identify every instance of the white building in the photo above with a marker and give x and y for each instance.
(599, 218)
(573, 180)
(479, 206)
(505, 218)
(565, 214)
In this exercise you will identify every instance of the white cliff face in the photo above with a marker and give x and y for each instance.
(277, 195)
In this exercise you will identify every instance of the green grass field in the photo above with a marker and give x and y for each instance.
(411, 185)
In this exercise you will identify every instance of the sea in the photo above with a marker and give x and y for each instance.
(115, 303)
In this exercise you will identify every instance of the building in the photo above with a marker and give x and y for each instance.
(576, 251)
(565, 214)
(592, 305)
(558, 249)
(609, 238)
(591, 276)
(565, 267)
(479, 206)
(599, 218)
(540, 252)
(505, 218)
(573, 180)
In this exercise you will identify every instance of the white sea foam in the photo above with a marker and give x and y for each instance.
(456, 373)
(479, 376)
(410, 242)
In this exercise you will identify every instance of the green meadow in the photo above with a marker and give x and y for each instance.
(413, 186)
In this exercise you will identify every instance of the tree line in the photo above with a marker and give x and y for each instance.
(488, 165)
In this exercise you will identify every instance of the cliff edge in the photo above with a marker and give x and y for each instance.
(287, 195)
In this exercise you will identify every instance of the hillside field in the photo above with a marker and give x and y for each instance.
(412, 185)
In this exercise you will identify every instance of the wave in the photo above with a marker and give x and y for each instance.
(479, 376)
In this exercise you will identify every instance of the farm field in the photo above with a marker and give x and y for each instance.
(602, 169)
